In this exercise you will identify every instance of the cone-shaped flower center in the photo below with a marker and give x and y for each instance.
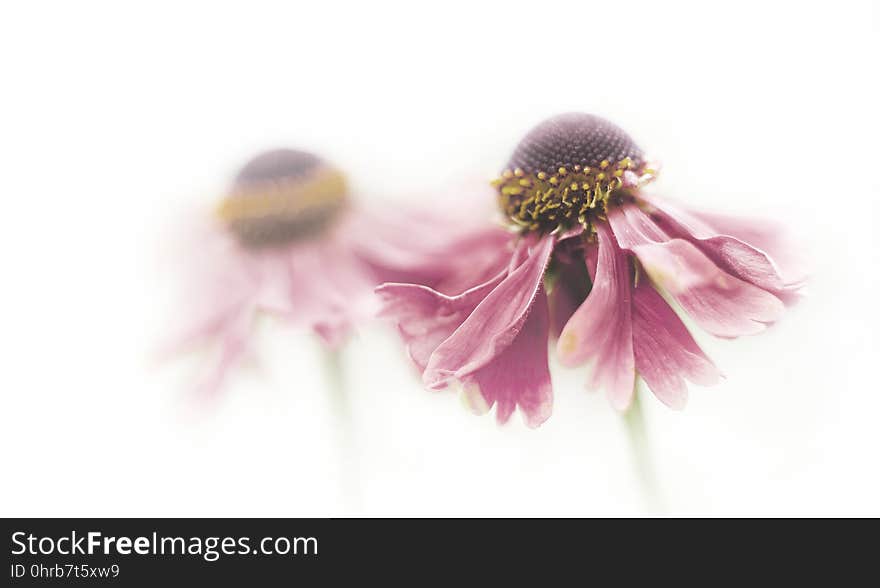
(283, 196)
(566, 170)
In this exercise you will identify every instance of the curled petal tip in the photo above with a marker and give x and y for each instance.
(535, 418)
(472, 398)
(567, 347)
(620, 403)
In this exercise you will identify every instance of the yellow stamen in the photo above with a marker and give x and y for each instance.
(550, 201)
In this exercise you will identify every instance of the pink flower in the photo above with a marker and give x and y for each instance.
(287, 240)
(595, 260)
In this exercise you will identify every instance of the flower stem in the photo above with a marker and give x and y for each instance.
(634, 420)
(344, 428)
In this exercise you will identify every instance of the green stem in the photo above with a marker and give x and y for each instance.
(344, 428)
(634, 420)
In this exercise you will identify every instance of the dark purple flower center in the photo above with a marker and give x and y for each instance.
(278, 164)
(573, 139)
(283, 196)
(565, 171)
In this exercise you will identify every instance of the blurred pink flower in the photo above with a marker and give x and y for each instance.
(288, 240)
(598, 262)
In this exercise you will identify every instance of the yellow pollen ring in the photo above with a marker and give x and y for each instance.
(564, 197)
(288, 198)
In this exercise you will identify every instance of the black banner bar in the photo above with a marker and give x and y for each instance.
(135, 552)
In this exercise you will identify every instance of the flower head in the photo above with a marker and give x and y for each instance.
(565, 172)
(283, 196)
(593, 258)
(289, 240)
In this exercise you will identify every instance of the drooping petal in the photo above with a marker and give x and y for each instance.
(425, 318)
(736, 257)
(227, 332)
(233, 341)
(494, 323)
(601, 328)
(665, 352)
(719, 302)
(202, 330)
(767, 236)
(221, 289)
(434, 250)
(311, 300)
(520, 375)
(473, 259)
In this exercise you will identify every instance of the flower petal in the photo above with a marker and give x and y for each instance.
(494, 323)
(425, 318)
(327, 289)
(731, 254)
(234, 344)
(520, 375)
(448, 255)
(665, 352)
(601, 328)
(767, 236)
(719, 302)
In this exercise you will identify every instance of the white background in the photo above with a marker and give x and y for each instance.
(116, 120)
